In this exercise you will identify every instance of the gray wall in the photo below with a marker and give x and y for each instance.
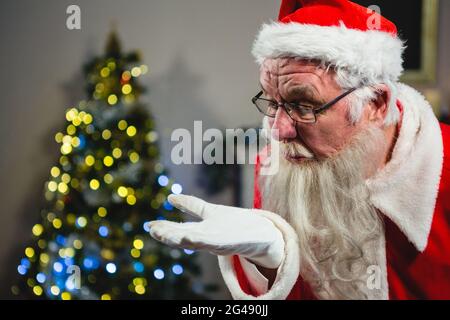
(198, 52)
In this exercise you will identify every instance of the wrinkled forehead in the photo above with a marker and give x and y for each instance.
(280, 74)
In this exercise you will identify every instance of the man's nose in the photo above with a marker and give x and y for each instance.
(283, 126)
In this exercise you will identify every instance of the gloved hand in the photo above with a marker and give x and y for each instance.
(223, 231)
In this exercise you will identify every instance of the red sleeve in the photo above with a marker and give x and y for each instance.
(257, 192)
(242, 278)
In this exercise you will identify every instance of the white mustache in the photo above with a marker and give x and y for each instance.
(295, 150)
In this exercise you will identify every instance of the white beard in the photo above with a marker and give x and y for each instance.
(327, 203)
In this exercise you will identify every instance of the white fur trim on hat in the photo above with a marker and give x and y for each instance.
(372, 55)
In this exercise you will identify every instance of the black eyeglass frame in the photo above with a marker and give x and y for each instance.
(298, 106)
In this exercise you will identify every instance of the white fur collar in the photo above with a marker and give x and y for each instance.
(405, 190)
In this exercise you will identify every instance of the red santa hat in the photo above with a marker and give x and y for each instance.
(337, 32)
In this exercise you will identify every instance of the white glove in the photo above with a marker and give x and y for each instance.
(223, 231)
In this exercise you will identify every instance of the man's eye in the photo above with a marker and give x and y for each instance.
(303, 106)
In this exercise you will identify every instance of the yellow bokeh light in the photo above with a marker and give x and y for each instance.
(106, 134)
(71, 114)
(106, 296)
(82, 114)
(82, 222)
(122, 191)
(62, 187)
(29, 252)
(75, 142)
(66, 148)
(122, 125)
(37, 290)
(59, 205)
(94, 184)
(126, 75)
(99, 87)
(67, 139)
(152, 136)
(140, 289)
(138, 244)
(131, 200)
(108, 178)
(71, 129)
(42, 243)
(70, 252)
(108, 161)
(131, 131)
(102, 212)
(126, 89)
(57, 223)
(89, 160)
(74, 183)
(144, 69)
(76, 121)
(65, 178)
(87, 119)
(105, 72)
(44, 258)
(54, 290)
(71, 218)
(136, 72)
(117, 153)
(107, 254)
(37, 229)
(111, 65)
(66, 296)
(55, 172)
(138, 281)
(63, 160)
(77, 244)
(58, 137)
(51, 216)
(52, 186)
(112, 99)
(134, 157)
(135, 253)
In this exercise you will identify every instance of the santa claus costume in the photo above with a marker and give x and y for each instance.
(412, 192)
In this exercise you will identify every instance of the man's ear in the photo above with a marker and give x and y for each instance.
(380, 104)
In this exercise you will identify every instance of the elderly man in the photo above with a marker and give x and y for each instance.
(359, 208)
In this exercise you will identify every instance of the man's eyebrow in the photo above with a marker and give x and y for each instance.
(306, 93)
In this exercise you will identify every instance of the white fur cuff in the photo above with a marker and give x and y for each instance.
(288, 271)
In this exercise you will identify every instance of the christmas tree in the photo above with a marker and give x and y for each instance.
(92, 239)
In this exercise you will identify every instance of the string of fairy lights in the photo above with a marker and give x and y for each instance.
(99, 174)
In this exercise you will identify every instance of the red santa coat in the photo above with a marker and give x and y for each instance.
(413, 194)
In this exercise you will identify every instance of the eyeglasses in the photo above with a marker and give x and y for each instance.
(298, 112)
